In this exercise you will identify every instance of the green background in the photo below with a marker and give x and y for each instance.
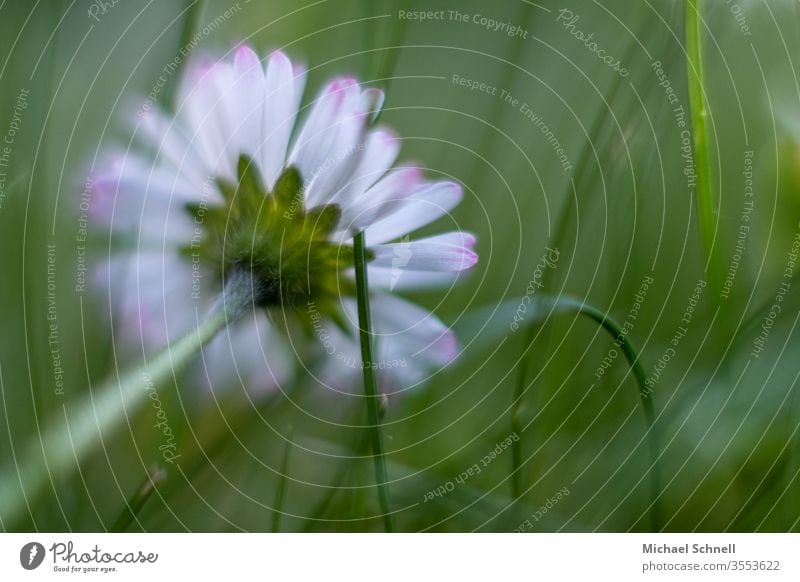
(728, 422)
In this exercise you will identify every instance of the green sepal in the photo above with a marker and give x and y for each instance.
(288, 192)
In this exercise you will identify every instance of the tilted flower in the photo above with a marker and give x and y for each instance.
(226, 192)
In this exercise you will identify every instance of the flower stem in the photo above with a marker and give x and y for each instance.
(90, 420)
(370, 380)
(706, 201)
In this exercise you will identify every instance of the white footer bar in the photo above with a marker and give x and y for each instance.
(401, 557)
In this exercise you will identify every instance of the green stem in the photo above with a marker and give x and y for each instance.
(583, 171)
(370, 381)
(706, 200)
(89, 421)
(566, 304)
(645, 396)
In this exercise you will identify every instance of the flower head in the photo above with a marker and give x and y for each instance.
(227, 192)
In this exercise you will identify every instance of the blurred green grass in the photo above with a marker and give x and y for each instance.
(730, 459)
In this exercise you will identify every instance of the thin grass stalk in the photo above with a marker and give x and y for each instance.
(698, 106)
(381, 68)
(501, 110)
(645, 397)
(371, 393)
(155, 476)
(280, 493)
(582, 166)
(566, 304)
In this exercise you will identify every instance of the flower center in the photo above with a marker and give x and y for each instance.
(273, 235)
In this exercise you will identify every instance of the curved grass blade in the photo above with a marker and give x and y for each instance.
(584, 171)
(155, 476)
(542, 309)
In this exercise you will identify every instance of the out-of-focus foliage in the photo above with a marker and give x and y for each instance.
(619, 212)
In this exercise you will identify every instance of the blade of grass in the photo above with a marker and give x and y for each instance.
(359, 446)
(155, 476)
(583, 171)
(706, 199)
(88, 421)
(192, 17)
(280, 493)
(645, 396)
(500, 110)
(382, 34)
(546, 306)
(370, 381)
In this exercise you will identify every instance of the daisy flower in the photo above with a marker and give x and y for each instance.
(223, 186)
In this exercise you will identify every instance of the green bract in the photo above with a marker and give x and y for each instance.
(271, 234)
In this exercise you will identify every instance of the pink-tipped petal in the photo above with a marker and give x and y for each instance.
(282, 94)
(360, 211)
(427, 203)
(445, 252)
(247, 95)
(331, 142)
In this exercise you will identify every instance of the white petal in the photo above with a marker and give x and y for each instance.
(375, 98)
(330, 144)
(410, 342)
(151, 293)
(444, 252)
(405, 329)
(207, 111)
(248, 92)
(166, 138)
(249, 354)
(283, 91)
(379, 200)
(130, 197)
(380, 152)
(428, 203)
(404, 279)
